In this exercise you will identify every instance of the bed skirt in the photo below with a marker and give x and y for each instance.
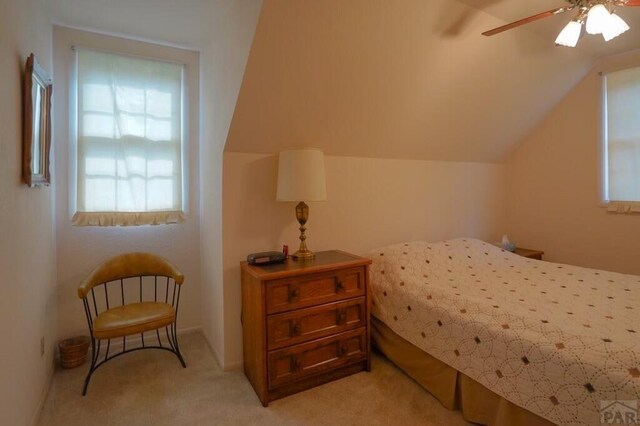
(453, 389)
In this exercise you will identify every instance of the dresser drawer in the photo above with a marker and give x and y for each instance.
(311, 323)
(314, 289)
(304, 360)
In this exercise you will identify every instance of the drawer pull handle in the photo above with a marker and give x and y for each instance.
(340, 286)
(296, 364)
(293, 294)
(343, 350)
(342, 317)
(296, 329)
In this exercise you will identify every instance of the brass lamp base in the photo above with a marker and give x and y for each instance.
(304, 255)
(302, 214)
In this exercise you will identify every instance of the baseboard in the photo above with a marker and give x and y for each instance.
(215, 353)
(43, 395)
(234, 366)
(230, 366)
(189, 330)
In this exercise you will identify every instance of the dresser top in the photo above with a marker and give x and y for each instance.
(324, 261)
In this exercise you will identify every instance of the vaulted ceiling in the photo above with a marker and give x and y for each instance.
(406, 78)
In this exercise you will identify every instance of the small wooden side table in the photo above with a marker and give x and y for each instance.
(531, 254)
(305, 323)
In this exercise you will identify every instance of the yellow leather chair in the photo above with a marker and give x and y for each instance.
(115, 310)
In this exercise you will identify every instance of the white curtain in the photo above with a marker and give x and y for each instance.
(129, 140)
(623, 139)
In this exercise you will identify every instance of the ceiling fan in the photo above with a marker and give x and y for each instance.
(598, 16)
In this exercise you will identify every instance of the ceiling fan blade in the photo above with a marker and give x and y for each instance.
(532, 19)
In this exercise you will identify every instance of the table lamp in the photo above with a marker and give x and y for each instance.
(301, 178)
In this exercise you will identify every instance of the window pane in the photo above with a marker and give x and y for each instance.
(131, 125)
(130, 99)
(131, 195)
(97, 125)
(100, 194)
(159, 104)
(159, 130)
(160, 168)
(97, 98)
(160, 193)
(96, 166)
(132, 166)
(129, 133)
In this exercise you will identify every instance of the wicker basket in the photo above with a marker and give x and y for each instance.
(73, 351)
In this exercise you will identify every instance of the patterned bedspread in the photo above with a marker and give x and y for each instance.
(554, 339)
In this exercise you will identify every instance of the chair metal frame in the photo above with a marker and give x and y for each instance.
(170, 330)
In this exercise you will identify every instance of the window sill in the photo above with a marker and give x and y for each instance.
(623, 207)
(127, 218)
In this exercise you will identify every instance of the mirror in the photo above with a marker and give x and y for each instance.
(36, 142)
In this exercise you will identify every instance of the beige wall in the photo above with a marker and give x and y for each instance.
(27, 256)
(553, 191)
(224, 57)
(80, 249)
(371, 203)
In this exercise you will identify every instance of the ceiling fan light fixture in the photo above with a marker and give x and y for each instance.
(597, 16)
(570, 35)
(615, 27)
(598, 19)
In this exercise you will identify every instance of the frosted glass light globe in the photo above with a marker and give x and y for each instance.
(615, 27)
(570, 35)
(597, 19)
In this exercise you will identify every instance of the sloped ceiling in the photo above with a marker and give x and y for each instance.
(182, 23)
(401, 79)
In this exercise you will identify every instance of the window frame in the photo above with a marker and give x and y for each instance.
(603, 144)
(615, 206)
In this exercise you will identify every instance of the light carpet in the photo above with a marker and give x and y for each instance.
(151, 388)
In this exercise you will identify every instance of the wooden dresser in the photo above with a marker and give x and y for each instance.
(305, 322)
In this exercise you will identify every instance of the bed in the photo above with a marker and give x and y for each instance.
(506, 339)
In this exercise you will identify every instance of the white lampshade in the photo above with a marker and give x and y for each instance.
(570, 35)
(597, 19)
(615, 27)
(301, 175)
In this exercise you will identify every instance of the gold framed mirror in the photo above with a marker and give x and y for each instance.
(36, 142)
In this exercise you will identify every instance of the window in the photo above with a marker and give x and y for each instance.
(621, 149)
(129, 127)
